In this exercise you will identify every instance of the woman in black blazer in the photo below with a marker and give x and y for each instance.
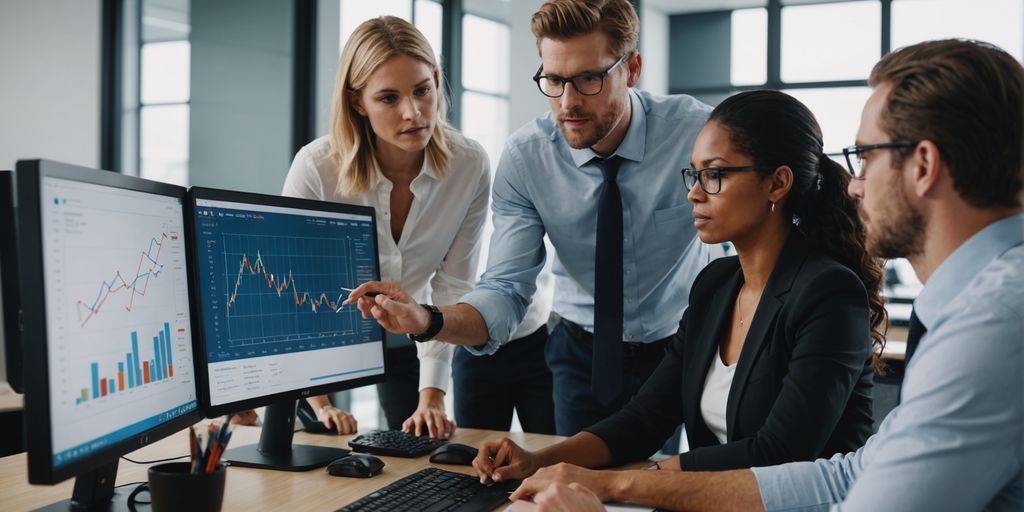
(773, 359)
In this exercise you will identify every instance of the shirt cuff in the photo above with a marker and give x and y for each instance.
(495, 309)
(435, 369)
(790, 487)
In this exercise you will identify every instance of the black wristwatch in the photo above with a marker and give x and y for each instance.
(436, 323)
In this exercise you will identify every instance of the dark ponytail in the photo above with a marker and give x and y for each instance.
(775, 129)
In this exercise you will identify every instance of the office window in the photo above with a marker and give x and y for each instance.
(749, 48)
(837, 110)
(485, 119)
(1000, 22)
(428, 20)
(830, 41)
(164, 55)
(485, 54)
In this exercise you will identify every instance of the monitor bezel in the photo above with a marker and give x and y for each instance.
(10, 295)
(199, 349)
(37, 384)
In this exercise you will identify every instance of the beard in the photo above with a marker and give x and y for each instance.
(599, 127)
(900, 234)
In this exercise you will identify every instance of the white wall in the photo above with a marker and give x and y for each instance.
(240, 128)
(50, 81)
(654, 44)
(525, 101)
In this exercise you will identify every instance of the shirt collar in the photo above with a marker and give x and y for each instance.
(957, 271)
(632, 145)
(377, 178)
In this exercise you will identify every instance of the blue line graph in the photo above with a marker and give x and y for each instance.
(272, 283)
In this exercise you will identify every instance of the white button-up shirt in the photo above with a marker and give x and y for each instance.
(437, 256)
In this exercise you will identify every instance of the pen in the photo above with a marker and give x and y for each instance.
(368, 294)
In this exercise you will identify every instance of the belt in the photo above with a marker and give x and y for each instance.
(629, 348)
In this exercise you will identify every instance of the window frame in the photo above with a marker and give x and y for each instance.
(774, 70)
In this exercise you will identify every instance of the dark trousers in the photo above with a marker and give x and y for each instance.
(570, 356)
(400, 395)
(488, 388)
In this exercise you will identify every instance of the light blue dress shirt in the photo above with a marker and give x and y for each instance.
(956, 441)
(543, 186)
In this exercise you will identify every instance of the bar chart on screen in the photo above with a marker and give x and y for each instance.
(117, 312)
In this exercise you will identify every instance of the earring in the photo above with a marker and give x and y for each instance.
(773, 207)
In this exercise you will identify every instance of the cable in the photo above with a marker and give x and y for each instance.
(155, 461)
(143, 487)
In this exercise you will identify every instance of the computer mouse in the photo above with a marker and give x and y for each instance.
(358, 465)
(454, 453)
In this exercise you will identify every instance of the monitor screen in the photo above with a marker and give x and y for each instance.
(270, 273)
(117, 319)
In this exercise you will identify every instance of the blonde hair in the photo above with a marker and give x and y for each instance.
(352, 138)
(562, 19)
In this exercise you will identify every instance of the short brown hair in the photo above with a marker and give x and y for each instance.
(563, 19)
(964, 96)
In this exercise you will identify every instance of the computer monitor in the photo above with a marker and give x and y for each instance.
(10, 294)
(107, 320)
(269, 273)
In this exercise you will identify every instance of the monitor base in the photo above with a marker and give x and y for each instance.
(118, 503)
(300, 458)
(275, 449)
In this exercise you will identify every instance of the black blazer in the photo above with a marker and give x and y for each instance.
(802, 387)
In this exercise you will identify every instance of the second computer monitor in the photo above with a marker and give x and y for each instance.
(270, 274)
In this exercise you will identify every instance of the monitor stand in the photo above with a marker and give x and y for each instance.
(95, 491)
(275, 449)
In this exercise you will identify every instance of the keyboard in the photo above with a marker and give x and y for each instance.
(394, 443)
(435, 490)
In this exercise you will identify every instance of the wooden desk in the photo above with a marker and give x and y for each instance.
(249, 489)
(9, 400)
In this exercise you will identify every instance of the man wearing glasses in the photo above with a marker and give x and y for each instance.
(599, 175)
(938, 177)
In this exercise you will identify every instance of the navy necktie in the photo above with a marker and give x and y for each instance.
(914, 334)
(606, 373)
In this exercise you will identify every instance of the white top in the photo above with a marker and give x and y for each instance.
(437, 256)
(716, 396)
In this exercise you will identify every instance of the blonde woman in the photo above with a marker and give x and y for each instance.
(391, 148)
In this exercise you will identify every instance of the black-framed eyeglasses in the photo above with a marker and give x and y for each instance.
(855, 154)
(710, 178)
(587, 83)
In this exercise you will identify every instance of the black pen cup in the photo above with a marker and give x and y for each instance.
(172, 487)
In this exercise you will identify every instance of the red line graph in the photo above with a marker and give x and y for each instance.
(118, 282)
(282, 287)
